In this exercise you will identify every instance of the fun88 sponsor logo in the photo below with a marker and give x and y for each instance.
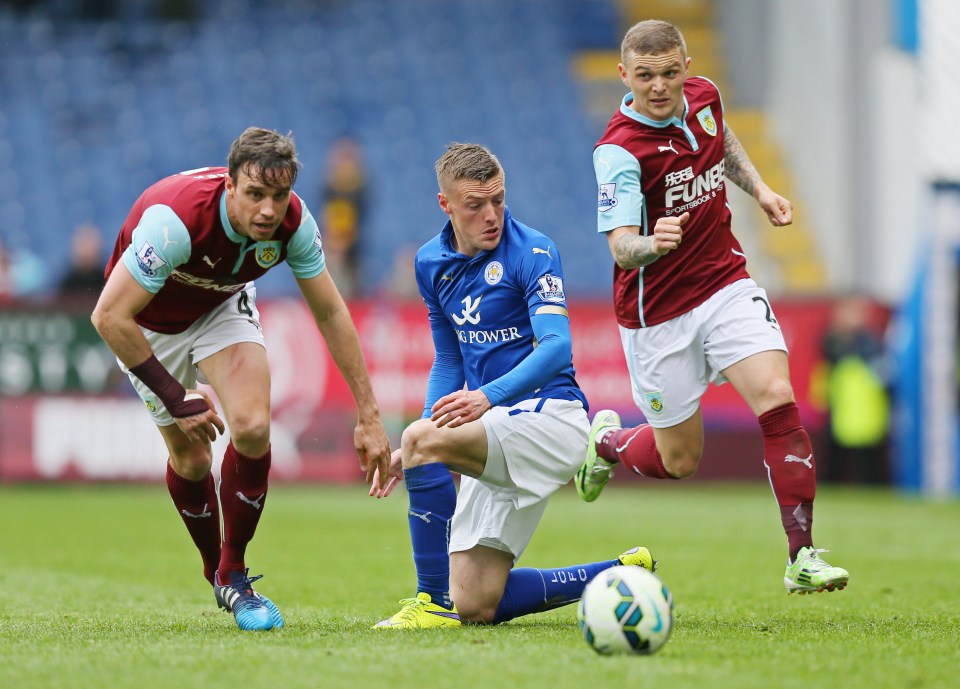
(683, 187)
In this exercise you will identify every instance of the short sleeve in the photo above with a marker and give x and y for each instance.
(619, 194)
(305, 250)
(160, 243)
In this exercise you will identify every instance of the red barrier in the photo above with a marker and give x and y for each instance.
(111, 437)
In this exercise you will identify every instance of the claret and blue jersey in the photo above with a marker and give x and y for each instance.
(177, 243)
(648, 169)
(490, 311)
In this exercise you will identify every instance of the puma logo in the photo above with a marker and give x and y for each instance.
(806, 461)
(212, 264)
(166, 238)
(603, 162)
(630, 440)
(446, 277)
(538, 250)
(668, 147)
(425, 516)
(203, 513)
(256, 503)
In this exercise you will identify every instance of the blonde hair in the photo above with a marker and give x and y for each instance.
(652, 37)
(466, 161)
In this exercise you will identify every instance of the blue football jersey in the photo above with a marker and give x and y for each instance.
(488, 301)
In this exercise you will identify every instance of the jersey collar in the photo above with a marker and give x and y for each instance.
(228, 230)
(626, 110)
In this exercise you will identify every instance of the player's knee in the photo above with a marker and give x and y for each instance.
(778, 393)
(416, 443)
(192, 464)
(250, 433)
(682, 463)
(473, 610)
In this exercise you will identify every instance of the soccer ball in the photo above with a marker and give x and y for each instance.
(625, 610)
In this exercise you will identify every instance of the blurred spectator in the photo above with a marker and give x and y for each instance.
(402, 285)
(84, 279)
(22, 274)
(6, 277)
(343, 211)
(856, 393)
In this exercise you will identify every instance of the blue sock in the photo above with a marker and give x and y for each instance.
(433, 499)
(530, 590)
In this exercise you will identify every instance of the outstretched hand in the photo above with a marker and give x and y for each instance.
(382, 488)
(373, 446)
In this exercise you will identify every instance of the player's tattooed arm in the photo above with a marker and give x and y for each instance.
(740, 171)
(736, 163)
(632, 250)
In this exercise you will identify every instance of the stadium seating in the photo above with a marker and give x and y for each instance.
(93, 111)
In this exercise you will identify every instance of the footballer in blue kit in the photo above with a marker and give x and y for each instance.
(493, 309)
(503, 409)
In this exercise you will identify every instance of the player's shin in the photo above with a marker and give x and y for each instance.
(635, 448)
(530, 590)
(433, 499)
(243, 493)
(196, 503)
(788, 456)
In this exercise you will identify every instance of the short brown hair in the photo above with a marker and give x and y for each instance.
(264, 154)
(652, 37)
(467, 161)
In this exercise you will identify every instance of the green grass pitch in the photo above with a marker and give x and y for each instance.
(101, 587)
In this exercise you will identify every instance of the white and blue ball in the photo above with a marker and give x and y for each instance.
(626, 610)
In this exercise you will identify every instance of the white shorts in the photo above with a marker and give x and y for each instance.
(235, 320)
(672, 364)
(534, 448)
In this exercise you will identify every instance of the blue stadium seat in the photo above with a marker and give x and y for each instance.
(126, 105)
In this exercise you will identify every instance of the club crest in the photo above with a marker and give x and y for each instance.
(268, 253)
(707, 122)
(654, 401)
(493, 273)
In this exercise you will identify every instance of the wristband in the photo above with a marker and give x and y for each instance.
(152, 373)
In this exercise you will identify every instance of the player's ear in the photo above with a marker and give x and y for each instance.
(623, 74)
(444, 202)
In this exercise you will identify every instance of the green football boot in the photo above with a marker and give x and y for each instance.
(420, 613)
(595, 472)
(810, 574)
(638, 557)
